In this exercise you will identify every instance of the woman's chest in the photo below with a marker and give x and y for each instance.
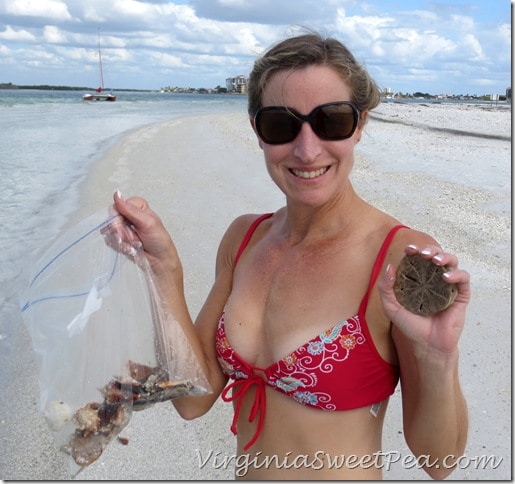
(277, 304)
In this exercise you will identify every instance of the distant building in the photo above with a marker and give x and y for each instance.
(236, 84)
(508, 94)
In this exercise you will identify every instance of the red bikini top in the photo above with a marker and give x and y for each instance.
(339, 369)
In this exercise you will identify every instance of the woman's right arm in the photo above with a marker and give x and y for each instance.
(167, 268)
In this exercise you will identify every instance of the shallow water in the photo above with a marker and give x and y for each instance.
(49, 140)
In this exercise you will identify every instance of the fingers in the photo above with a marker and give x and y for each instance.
(147, 226)
(441, 258)
(119, 236)
(132, 204)
(385, 286)
(138, 202)
(135, 209)
(435, 254)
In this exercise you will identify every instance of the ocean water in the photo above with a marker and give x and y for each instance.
(49, 140)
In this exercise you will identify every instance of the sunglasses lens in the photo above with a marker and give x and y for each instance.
(276, 126)
(335, 121)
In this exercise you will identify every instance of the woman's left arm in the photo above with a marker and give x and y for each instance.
(434, 409)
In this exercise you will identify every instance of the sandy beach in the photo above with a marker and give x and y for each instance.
(443, 169)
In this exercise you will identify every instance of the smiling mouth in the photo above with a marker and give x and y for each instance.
(309, 174)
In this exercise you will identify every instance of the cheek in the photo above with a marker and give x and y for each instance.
(274, 154)
(275, 161)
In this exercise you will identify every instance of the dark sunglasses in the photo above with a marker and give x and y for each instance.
(277, 125)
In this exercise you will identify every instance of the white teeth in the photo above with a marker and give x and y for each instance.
(309, 174)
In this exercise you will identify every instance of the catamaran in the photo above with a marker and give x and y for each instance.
(99, 94)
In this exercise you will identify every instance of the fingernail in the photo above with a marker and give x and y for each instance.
(425, 251)
(438, 258)
(446, 275)
(412, 246)
(119, 194)
(388, 270)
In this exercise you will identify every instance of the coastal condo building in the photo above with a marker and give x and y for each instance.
(236, 84)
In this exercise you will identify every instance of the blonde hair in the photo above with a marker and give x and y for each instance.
(312, 49)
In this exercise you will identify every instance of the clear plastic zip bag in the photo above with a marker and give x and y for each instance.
(106, 342)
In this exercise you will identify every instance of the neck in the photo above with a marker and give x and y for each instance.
(307, 223)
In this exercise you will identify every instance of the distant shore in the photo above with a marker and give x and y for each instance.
(418, 96)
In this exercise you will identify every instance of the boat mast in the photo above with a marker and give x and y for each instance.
(100, 62)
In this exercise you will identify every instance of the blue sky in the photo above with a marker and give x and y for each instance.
(434, 46)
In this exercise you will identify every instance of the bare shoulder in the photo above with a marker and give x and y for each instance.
(239, 227)
(409, 236)
(416, 237)
(381, 223)
(233, 238)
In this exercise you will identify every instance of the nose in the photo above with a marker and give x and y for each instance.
(307, 145)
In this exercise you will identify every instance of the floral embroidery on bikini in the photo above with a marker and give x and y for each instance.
(315, 348)
(307, 398)
(226, 367)
(348, 341)
(288, 384)
(223, 347)
(290, 360)
(331, 334)
(223, 344)
(298, 371)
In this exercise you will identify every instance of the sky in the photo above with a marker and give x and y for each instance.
(433, 46)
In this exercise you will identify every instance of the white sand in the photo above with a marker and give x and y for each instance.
(200, 173)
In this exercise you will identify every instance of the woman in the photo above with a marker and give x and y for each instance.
(302, 317)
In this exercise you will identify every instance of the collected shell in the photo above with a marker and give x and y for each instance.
(58, 414)
(87, 420)
(144, 387)
(420, 288)
(86, 450)
(96, 424)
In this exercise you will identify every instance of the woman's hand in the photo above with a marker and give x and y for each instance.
(440, 331)
(149, 229)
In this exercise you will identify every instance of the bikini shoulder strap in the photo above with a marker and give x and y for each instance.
(378, 264)
(249, 234)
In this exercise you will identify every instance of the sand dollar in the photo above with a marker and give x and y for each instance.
(420, 288)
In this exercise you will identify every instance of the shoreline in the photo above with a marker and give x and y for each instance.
(199, 173)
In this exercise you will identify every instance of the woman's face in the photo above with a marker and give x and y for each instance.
(310, 171)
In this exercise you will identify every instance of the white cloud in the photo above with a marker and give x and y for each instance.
(472, 45)
(166, 60)
(16, 35)
(53, 35)
(4, 52)
(51, 9)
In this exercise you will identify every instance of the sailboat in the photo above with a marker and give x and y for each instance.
(99, 94)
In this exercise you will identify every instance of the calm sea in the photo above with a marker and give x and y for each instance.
(49, 140)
